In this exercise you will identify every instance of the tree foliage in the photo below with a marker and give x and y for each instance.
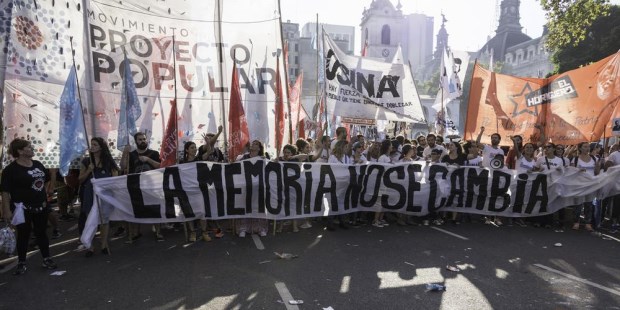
(570, 19)
(602, 39)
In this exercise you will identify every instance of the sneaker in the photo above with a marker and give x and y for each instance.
(589, 228)
(159, 237)
(89, 253)
(384, 223)
(206, 237)
(575, 226)
(305, 226)
(192, 236)
(520, 222)
(80, 248)
(377, 224)
(48, 263)
(242, 234)
(120, 232)
(21, 269)
(263, 234)
(498, 222)
(425, 223)
(56, 234)
(488, 221)
(437, 222)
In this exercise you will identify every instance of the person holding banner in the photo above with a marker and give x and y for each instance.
(430, 145)
(260, 226)
(323, 145)
(99, 164)
(189, 155)
(586, 162)
(385, 151)
(24, 185)
(472, 151)
(492, 151)
(208, 151)
(421, 145)
(614, 160)
(140, 160)
(339, 156)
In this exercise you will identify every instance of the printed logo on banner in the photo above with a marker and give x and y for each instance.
(561, 88)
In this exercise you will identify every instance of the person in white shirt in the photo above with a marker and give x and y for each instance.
(431, 145)
(550, 161)
(386, 149)
(323, 144)
(588, 164)
(339, 156)
(341, 134)
(614, 160)
(472, 150)
(490, 151)
(357, 156)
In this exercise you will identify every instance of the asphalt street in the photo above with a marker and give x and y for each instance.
(359, 268)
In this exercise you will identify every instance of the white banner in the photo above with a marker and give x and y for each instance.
(200, 61)
(274, 190)
(359, 87)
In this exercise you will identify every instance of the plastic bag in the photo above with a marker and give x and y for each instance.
(7, 240)
(18, 215)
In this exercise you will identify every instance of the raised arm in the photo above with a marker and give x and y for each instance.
(480, 135)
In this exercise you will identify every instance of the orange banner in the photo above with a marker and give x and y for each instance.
(571, 107)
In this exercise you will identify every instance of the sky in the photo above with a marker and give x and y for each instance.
(469, 22)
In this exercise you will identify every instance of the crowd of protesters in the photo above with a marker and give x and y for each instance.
(27, 183)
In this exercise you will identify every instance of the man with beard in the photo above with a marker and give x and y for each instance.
(137, 161)
(421, 145)
(430, 140)
(490, 151)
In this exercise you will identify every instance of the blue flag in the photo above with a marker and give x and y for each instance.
(73, 142)
(130, 108)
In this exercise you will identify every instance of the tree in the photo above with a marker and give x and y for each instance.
(570, 19)
(602, 39)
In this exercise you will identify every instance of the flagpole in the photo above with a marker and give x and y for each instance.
(285, 61)
(221, 52)
(176, 112)
(318, 100)
(324, 82)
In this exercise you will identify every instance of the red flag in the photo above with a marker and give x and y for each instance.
(170, 142)
(239, 135)
(295, 101)
(365, 49)
(302, 129)
(279, 109)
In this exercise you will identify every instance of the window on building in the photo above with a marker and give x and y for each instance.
(385, 35)
(296, 47)
(296, 60)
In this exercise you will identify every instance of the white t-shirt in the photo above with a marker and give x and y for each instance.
(427, 151)
(488, 153)
(547, 164)
(384, 159)
(473, 162)
(614, 158)
(588, 166)
(324, 156)
(334, 160)
(363, 160)
(523, 165)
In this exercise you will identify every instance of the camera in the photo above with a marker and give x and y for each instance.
(497, 162)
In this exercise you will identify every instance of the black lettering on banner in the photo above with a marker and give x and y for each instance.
(457, 187)
(140, 210)
(539, 184)
(517, 207)
(177, 192)
(433, 170)
(500, 178)
(276, 168)
(308, 193)
(254, 170)
(398, 187)
(292, 181)
(213, 177)
(356, 181)
(326, 172)
(479, 180)
(414, 186)
(230, 171)
(375, 191)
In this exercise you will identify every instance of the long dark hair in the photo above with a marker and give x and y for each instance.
(185, 148)
(107, 161)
